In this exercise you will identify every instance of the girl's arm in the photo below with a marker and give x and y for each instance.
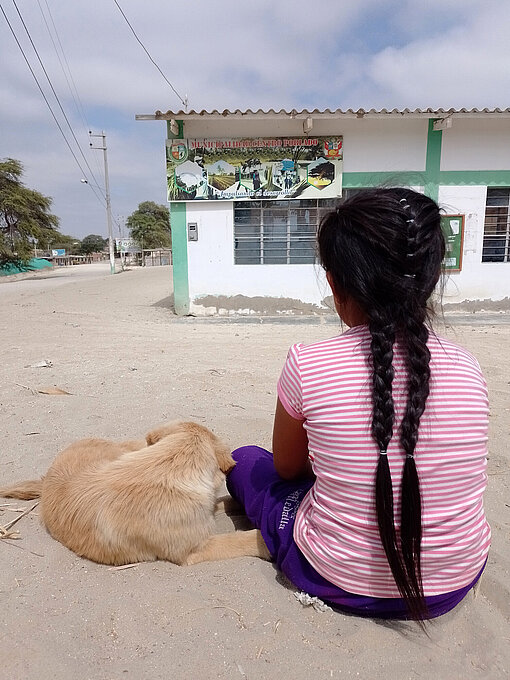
(290, 446)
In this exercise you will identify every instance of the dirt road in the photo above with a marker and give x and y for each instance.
(128, 363)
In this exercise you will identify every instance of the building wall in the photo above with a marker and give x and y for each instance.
(375, 150)
(370, 145)
(478, 280)
(212, 272)
(476, 144)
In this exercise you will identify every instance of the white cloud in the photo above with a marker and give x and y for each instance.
(464, 66)
(286, 54)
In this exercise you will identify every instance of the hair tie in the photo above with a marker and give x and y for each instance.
(383, 452)
(410, 276)
(403, 200)
(410, 455)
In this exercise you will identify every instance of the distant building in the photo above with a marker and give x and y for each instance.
(250, 231)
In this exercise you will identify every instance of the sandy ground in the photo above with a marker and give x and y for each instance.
(129, 364)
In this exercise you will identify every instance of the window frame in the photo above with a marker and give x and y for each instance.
(493, 236)
(294, 234)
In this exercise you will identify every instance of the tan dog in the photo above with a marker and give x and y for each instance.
(119, 503)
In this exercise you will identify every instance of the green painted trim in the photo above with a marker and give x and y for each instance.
(433, 162)
(179, 228)
(356, 180)
(169, 133)
(489, 178)
(180, 257)
(494, 178)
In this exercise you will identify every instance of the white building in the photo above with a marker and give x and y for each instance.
(242, 243)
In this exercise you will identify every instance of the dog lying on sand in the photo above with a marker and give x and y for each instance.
(119, 503)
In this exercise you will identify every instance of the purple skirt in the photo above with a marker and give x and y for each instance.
(271, 504)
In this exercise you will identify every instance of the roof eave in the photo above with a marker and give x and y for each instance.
(325, 114)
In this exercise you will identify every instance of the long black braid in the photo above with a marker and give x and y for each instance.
(384, 248)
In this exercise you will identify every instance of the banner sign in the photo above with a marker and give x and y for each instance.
(260, 168)
(453, 230)
(127, 245)
(58, 252)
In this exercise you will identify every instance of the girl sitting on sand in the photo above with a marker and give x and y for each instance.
(372, 497)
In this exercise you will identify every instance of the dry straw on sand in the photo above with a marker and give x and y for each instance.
(5, 529)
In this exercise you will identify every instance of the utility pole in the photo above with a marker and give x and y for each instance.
(108, 203)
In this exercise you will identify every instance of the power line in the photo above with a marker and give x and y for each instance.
(58, 55)
(184, 101)
(100, 197)
(53, 90)
(61, 59)
(69, 79)
(41, 90)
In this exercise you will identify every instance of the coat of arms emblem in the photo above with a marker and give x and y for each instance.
(179, 151)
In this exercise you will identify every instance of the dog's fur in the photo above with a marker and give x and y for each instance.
(119, 503)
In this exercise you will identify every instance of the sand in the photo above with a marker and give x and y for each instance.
(129, 364)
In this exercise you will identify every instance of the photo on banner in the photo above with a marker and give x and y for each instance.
(260, 168)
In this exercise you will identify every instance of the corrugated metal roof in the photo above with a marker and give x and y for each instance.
(324, 113)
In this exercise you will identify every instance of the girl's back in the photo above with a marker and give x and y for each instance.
(328, 384)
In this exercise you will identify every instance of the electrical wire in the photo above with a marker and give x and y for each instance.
(53, 90)
(79, 111)
(73, 90)
(71, 85)
(184, 101)
(101, 196)
(41, 90)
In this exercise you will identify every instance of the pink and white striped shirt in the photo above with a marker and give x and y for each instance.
(328, 385)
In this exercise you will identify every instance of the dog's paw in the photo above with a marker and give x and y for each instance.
(192, 558)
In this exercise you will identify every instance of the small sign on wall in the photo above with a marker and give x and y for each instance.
(453, 230)
(192, 231)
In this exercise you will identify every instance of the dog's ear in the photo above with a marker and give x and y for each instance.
(223, 456)
(156, 435)
(152, 437)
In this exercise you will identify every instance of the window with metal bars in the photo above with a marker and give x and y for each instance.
(277, 232)
(496, 233)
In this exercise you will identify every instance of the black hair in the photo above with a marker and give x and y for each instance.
(384, 249)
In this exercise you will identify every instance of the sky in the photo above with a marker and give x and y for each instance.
(287, 54)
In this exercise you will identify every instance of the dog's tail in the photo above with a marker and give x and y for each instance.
(24, 491)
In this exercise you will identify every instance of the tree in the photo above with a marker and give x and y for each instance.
(93, 244)
(25, 216)
(71, 244)
(149, 225)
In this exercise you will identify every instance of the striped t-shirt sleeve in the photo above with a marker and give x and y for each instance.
(289, 385)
